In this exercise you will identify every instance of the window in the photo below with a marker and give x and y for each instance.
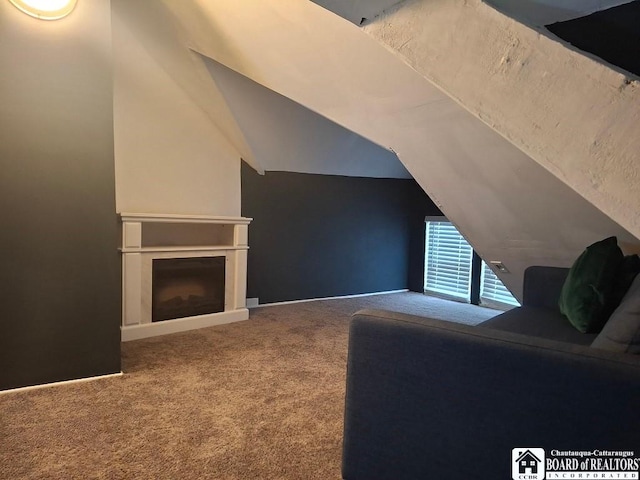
(449, 269)
(493, 291)
(447, 261)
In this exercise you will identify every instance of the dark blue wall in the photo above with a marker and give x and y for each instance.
(60, 282)
(315, 236)
(60, 278)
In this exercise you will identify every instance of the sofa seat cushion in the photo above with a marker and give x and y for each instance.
(539, 322)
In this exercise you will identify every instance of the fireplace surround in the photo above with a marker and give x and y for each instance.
(181, 272)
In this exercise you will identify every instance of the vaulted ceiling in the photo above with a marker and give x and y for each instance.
(442, 85)
(536, 12)
(357, 11)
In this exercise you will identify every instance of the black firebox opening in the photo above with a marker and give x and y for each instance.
(186, 287)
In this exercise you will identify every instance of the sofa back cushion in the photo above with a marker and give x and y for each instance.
(629, 268)
(542, 286)
(587, 294)
(622, 332)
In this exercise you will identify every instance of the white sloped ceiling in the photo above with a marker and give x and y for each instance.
(508, 206)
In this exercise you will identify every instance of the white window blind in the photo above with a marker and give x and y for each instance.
(492, 290)
(448, 261)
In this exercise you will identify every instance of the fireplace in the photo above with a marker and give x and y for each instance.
(187, 287)
(181, 272)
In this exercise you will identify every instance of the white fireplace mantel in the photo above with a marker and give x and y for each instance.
(146, 237)
(168, 218)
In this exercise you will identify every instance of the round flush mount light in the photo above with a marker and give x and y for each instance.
(45, 9)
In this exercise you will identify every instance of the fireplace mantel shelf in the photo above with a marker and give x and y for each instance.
(176, 218)
(195, 248)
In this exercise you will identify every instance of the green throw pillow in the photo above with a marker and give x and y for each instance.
(586, 298)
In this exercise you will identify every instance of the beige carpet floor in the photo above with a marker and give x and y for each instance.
(260, 399)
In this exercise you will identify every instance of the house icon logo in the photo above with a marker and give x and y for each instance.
(527, 464)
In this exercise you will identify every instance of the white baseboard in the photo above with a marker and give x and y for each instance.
(145, 330)
(253, 302)
(332, 298)
(57, 384)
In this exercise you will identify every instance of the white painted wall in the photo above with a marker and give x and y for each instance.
(171, 154)
(508, 206)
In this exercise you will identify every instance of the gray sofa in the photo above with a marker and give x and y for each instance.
(429, 399)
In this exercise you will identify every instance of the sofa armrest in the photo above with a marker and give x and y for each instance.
(433, 399)
(542, 286)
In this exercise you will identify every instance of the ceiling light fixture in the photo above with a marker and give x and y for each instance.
(45, 9)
